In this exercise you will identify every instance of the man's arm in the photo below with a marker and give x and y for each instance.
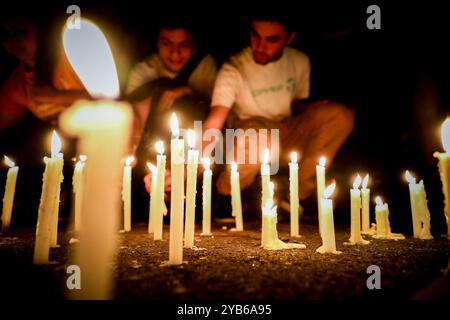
(216, 118)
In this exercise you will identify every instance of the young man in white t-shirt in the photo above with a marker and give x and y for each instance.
(263, 87)
(154, 85)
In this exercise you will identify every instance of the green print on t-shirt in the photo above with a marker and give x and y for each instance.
(276, 88)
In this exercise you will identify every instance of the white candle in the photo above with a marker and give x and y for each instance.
(176, 195)
(153, 201)
(419, 208)
(77, 184)
(160, 209)
(126, 193)
(414, 195)
(206, 197)
(320, 178)
(293, 190)
(381, 216)
(8, 197)
(265, 181)
(365, 199)
(236, 205)
(47, 216)
(328, 234)
(191, 190)
(444, 169)
(355, 205)
(104, 128)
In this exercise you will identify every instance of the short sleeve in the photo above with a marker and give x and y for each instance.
(304, 71)
(226, 87)
(140, 74)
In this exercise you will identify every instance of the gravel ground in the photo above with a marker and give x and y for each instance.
(234, 266)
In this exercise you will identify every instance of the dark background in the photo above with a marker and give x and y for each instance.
(396, 78)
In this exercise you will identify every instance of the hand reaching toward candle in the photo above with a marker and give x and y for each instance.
(167, 186)
(170, 96)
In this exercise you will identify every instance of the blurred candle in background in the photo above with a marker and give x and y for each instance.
(8, 196)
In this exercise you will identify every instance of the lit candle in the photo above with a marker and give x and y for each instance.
(355, 204)
(269, 233)
(236, 205)
(320, 178)
(126, 193)
(265, 181)
(419, 208)
(153, 201)
(47, 226)
(206, 197)
(160, 207)
(328, 236)
(176, 195)
(293, 190)
(191, 190)
(77, 184)
(444, 169)
(8, 197)
(103, 128)
(365, 199)
(383, 226)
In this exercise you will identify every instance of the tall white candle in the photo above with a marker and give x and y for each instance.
(328, 234)
(236, 205)
(425, 233)
(444, 169)
(8, 197)
(265, 182)
(126, 193)
(153, 201)
(104, 128)
(160, 209)
(365, 202)
(320, 178)
(52, 178)
(293, 190)
(206, 197)
(355, 205)
(176, 195)
(191, 190)
(381, 216)
(414, 195)
(77, 184)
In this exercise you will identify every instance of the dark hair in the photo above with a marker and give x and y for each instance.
(178, 22)
(282, 18)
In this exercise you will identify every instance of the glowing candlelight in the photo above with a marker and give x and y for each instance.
(365, 199)
(191, 190)
(103, 127)
(328, 234)
(206, 197)
(236, 205)
(355, 205)
(293, 191)
(47, 226)
(176, 195)
(320, 178)
(126, 193)
(153, 201)
(78, 186)
(8, 196)
(444, 169)
(160, 206)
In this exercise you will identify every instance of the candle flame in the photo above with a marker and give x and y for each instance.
(91, 58)
(445, 133)
(129, 160)
(83, 157)
(294, 158)
(378, 201)
(329, 190)
(174, 125)
(266, 156)
(9, 162)
(234, 166)
(357, 182)
(151, 167)
(56, 144)
(409, 177)
(206, 163)
(323, 161)
(365, 181)
(159, 146)
(191, 138)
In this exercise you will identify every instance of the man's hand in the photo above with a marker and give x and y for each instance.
(169, 97)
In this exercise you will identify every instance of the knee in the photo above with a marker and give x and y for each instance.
(343, 115)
